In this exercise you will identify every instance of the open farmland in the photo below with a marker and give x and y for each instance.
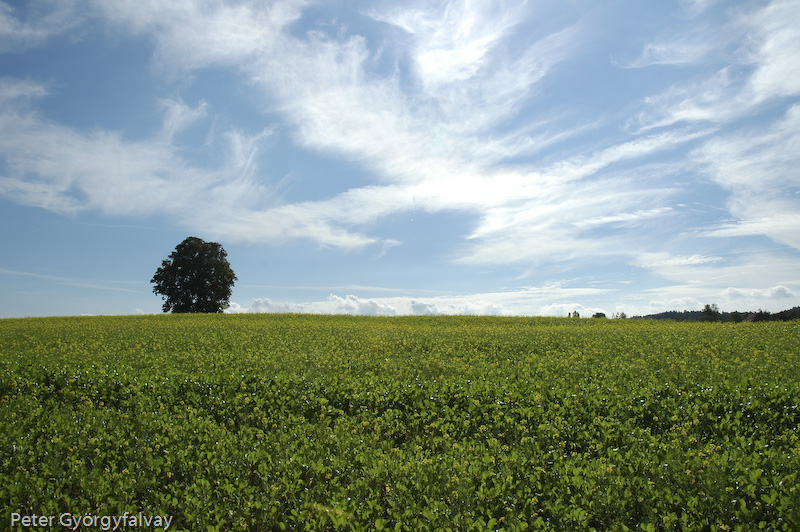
(297, 422)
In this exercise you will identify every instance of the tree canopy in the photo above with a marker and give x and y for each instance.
(196, 277)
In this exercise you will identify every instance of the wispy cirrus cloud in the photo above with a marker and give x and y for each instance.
(665, 260)
(712, 274)
(178, 116)
(18, 32)
(697, 7)
(671, 52)
(763, 68)
(20, 91)
(60, 169)
(693, 43)
(775, 45)
(735, 283)
(102, 285)
(452, 42)
(752, 164)
(560, 228)
(191, 35)
(701, 37)
(674, 51)
(64, 170)
(465, 63)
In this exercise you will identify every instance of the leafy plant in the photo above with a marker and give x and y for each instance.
(291, 422)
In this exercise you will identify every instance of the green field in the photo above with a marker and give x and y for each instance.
(297, 422)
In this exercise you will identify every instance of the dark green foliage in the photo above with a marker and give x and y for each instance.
(712, 313)
(195, 278)
(787, 315)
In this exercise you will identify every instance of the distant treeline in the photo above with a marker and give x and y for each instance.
(712, 313)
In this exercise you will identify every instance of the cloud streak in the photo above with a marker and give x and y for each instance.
(69, 281)
(750, 163)
(762, 69)
(18, 34)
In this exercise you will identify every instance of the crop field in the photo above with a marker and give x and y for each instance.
(297, 422)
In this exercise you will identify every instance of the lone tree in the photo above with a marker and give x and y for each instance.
(195, 278)
(711, 313)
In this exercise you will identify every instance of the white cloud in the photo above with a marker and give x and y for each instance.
(758, 167)
(463, 307)
(190, 35)
(683, 50)
(695, 296)
(709, 276)
(773, 292)
(552, 217)
(716, 99)
(697, 7)
(15, 89)
(764, 69)
(585, 166)
(328, 89)
(60, 169)
(663, 259)
(453, 41)
(465, 64)
(775, 37)
(781, 228)
(96, 286)
(47, 19)
(698, 39)
(624, 219)
(178, 116)
(669, 298)
(67, 281)
(558, 225)
(334, 304)
(550, 299)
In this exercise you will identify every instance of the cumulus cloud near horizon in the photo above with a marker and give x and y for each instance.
(549, 300)
(390, 306)
(552, 300)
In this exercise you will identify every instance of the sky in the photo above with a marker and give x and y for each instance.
(415, 157)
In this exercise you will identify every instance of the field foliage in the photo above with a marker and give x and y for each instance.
(296, 422)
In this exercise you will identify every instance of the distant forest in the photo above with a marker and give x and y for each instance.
(712, 313)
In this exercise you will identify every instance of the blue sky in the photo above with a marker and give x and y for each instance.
(508, 157)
